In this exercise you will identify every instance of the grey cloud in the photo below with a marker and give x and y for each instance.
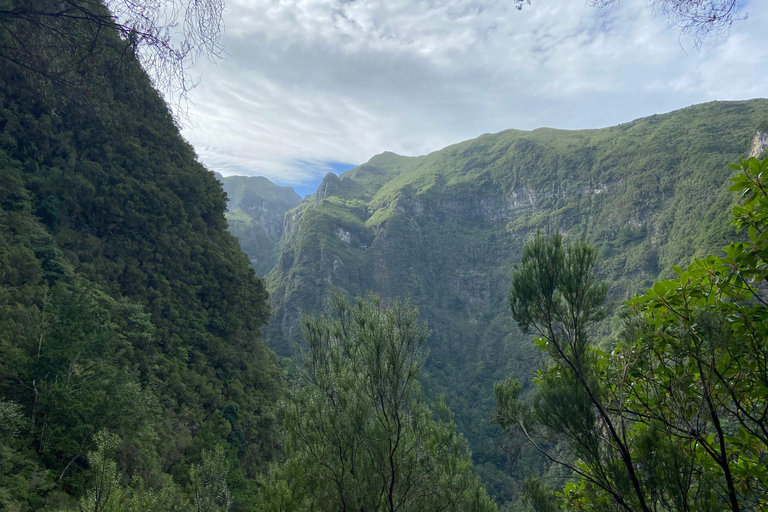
(339, 81)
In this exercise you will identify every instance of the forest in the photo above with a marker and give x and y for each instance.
(525, 321)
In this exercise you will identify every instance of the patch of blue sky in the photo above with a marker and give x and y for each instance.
(310, 174)
(315, 172)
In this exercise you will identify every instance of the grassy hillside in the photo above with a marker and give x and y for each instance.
(447, 227)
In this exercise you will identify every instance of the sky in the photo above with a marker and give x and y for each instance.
(311, 86)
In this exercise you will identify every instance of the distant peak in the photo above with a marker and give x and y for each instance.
(330, 183)
(240, 187)
(330, 176)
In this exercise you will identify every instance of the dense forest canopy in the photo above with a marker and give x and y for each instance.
(125, 304)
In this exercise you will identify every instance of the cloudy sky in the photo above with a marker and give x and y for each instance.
(313, 85)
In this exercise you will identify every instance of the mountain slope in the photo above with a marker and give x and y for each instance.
(124, 302)
(447, 227)
(255, 211)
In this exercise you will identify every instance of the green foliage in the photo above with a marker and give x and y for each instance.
(359, 437)
(446, 229)
(106, 492)
(555, 295)
(11, 419)
(210, 482)
(675, 417)
(694, 361)
(124, 303)
(539, 498)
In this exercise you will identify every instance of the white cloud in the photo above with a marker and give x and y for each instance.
(341, 80)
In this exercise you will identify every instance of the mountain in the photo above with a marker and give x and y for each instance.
(255, 211)
(124, 302)
(447, 228)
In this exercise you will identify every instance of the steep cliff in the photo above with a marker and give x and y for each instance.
(446, 229)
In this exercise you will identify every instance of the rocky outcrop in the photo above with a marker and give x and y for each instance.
(759, 144)
(330, 185)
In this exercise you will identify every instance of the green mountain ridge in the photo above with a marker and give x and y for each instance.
(447, 227)
(255, 211)
(131, 347)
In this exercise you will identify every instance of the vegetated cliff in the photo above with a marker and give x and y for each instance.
(446, 229)
(255, 211)
(124, 302)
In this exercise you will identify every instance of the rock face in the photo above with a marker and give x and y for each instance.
(759, 143)
(447, 228)
(255, 211)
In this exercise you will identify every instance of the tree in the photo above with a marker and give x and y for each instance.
(108, 494)
(694, 363)
(555, 295)
(675, 418)
(58, 40)
(359, 438)
(700, 18)
(210, 481)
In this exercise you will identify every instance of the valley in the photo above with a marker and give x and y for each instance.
(446, 229)
(540, 319)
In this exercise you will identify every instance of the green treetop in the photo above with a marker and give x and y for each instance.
(358, 436)
(675, 418)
